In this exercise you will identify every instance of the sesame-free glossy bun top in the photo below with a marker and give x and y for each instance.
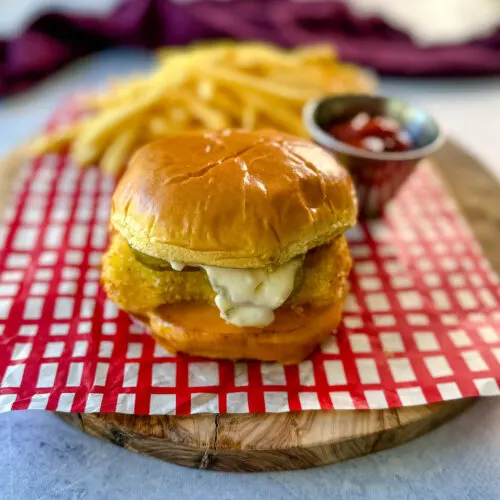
(232, 198)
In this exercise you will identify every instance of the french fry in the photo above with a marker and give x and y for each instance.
(158, 126)
(115, 157)
(205, 90)
(249, 82)
(96, 133)
(204, 86)
(211, 118)
(277, 112)
(315, 53)
(248, 117)
(54, 141)
(228, 103)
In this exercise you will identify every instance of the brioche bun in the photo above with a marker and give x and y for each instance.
(232, 199)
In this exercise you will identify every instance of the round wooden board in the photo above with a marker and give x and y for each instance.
(267, 442)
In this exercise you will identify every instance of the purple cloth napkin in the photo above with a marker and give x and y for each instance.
(55, 39)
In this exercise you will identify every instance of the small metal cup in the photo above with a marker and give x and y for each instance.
(377, 176)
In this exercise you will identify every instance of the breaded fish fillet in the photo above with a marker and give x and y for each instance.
(138, 289)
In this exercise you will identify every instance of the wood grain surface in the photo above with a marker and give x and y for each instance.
(295, 440)
(266, 442)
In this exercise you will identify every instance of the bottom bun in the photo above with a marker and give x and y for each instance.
(198, 330)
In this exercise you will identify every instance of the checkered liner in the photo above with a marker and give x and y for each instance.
(421, 324)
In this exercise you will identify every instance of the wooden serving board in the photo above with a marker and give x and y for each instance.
(295, 440)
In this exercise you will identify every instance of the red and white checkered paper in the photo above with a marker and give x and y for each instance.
(421, 324)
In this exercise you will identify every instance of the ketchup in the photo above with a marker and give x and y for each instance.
(378, 134)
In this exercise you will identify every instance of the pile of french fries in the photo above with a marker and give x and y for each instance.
(211, 86)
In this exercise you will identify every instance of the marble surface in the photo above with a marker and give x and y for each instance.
(43, 458)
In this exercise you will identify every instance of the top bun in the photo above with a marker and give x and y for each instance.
(232, 198)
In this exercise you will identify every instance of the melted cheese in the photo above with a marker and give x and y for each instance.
(248, 297)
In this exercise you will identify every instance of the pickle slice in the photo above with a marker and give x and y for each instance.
(297, 283)
(299, 278)
(154, 263)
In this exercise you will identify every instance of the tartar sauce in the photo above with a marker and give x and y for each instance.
(248, 297)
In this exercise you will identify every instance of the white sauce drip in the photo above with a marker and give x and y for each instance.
(177, 266)
(248, 297)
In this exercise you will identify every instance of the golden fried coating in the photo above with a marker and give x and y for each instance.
(138, 289)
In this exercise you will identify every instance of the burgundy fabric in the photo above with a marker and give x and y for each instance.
(55, 39)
